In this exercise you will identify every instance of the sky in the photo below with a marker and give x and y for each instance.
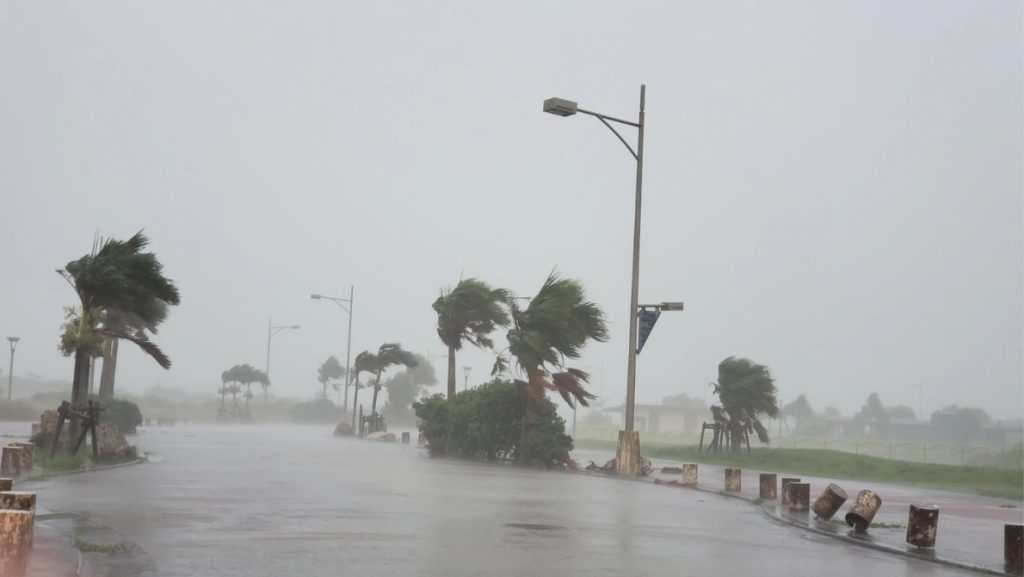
(833, 188)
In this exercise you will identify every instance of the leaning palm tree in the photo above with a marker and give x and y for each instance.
(469, 313)
(389, 355)
(115, 276)
(745, 389)
(554, 327)
(117, 322)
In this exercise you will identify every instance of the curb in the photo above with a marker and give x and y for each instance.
(773, 514)
(46, 476)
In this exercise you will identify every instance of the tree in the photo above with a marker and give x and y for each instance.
(831, 412)
(115, 276)
(331, 369)
(469, 313)
(388, 355)
(556, 325)
(902, 412)
(745, 390)
(800, 410)
(247, 375)
(404, 388)
(873, 411)
(120, 322)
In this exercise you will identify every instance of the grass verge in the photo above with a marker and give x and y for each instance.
(86, 547)
(63, 462)
(988, 481)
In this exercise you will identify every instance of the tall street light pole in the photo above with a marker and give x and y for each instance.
(347, 305)
(10, 372)
(271, 331)
(628, 454)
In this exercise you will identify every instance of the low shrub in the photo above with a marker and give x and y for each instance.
(122, 413)
(488, 424)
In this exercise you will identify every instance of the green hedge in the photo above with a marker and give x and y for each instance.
(488, 424)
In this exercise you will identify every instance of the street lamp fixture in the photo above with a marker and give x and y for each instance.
(271, 331)
(628, 454)
(10, 372)
(347, 306)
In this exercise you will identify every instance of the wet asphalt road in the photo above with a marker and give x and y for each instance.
(276, 501)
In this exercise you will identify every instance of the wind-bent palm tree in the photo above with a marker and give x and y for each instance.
(225, 378)
(330, 370)
(115, 276)
(388, 355)
(469, 313)
(745, 389)
(117, 321)
(554, 327)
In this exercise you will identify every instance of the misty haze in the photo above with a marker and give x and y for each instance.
(326, 288)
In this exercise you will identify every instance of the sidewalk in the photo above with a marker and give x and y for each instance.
(970, 528)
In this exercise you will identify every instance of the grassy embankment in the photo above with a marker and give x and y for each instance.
(988, 481)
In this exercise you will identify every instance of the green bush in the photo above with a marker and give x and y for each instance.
(319, 411)
(488, 423)
(123, 414)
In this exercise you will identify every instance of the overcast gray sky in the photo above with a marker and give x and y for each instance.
(833, 188)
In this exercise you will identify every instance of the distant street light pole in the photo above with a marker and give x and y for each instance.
(347, 305)
(271, 331)
(465, 380)
(628, 456)
(10, 373)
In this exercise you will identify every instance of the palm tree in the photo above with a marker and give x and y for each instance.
(331, 369)
(469, 313)
(745, 390)
(115, 276)
(554, 327)
(225, 377)
(118, 322)
(388, 355)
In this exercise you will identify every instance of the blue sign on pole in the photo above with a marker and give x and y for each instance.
(646, 318)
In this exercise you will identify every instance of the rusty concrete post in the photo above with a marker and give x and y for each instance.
(15, 541)
(863, 511)
(405, 437)
(18, 501)
(28, 456)
(786, 482)
(10, 461)
(1013, 547)
(922, 525)
(769, 485)
(689, 474)
(6, 484)
(831, 499)
(799, 496)
(733, 480)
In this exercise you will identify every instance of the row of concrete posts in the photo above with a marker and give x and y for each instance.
(17, 508)
(922, 520)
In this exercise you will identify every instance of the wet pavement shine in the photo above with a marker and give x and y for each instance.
(286, 500)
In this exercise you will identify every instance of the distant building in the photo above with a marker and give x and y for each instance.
(664, 418)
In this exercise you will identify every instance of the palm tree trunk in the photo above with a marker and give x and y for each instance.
(79, 392)
(347, 385)
(376, 388)
(451, 373)
(109, 368)
(323, 394)
(735, 436)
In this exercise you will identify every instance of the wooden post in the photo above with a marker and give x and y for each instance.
(18, 501)
(689, 474)
(831, 499)
(1013, 547)
(922, 525)
(786, 482)
(15, 541)
(405, 437)
(863, 511)
(733, 480)
(10, 462)
(799, 496)
(6, 484)
(769, 485)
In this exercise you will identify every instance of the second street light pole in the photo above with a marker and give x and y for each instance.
(10, 372)
(348, 345)
(271, 331)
